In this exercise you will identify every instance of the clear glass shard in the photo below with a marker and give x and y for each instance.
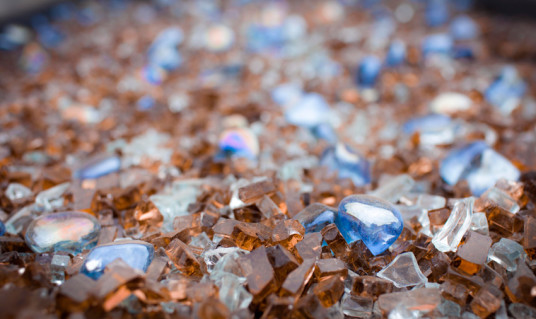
(501, 199)
(403, 271)
(395, 188)
(479, 223)
(506, 252)
(449, 237)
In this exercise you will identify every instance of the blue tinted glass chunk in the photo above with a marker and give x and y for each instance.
(239, 142)
(137, 254)
(348, 163)
(375, 221)
(100, 168)
(505, 92)
(2, 228)
(396, 55)
(437, 13)
(66, 231)
(315, 217)
(440, 43)
(479, 164)
(368, 71)
(463, 28)
(311, 110)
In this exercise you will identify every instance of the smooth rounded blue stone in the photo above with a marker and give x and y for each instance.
(166, 57)
(437, 13)
(2, 228)
(137, 254)
(310, 111)
(376, 222)
(103, 167)
(145, 103)
(426, 123)
(315, 217)
(463, 52)
(368, 71)
(459, 161)
(325, 132)
(348, 163)
(396, 55)
(507, 86)
(440, 43)
(463, 28)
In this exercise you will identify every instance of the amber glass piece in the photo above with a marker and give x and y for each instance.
(107, 235)
(502, 221)
(212, 308)
(438, 217)
(297, 279)
(472, 253)
(156, 268)
(335, 241)
(454, 292)
(329, 290)
(224, 227)
(309, 307)
(267, 207)
(486, 301)
(245, 236)
(330, 267)
(371, 286)
(183, 258)
(283, 262)
(520, 287)
(529, 238)
(78, 288)
(278, 307)
(259, 273)
(253, 192)
(288, 233)
(358, 257)
(472, 283)
(148, 216)
(310, 246)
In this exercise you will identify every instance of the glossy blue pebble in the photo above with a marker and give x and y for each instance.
(2, 228)
(437, 13)
(463, 28)
(506, 87)
(315, 217)
(368, 71)
(348, 163)
(309, 111)
(458, 161)
(376, 222)
(440, 43)
(100, 168)
(478, 164)
(137, 254)
(396, 55)
(425, 123)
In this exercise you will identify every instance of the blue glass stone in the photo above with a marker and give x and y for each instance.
(263, 38)
(479, 165)
(463, 28)
(66, 231)
(286, 94)
(2, 228)
(368, 71)
(170, 37)
(506, 90)
(49, 36)
(87, 16)
(62, 11)
(145, 103)
(310, 111)
(440, 43)
(463, 52)
(426, 123)
(315, 217)
(376, 222)
(153, 74)
(238, 142)
(137, 254)
(100, 168)
(325, 131)
(165, 56)
(396, 55)
(437, 13)
(347, 162)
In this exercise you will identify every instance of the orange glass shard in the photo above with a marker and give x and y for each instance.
(183, 258)
(297, 279)
(310, 246)
(251, 193)
(335, 241)
(330, 267)
(288, 233)
(371, 286)
(329, 290)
